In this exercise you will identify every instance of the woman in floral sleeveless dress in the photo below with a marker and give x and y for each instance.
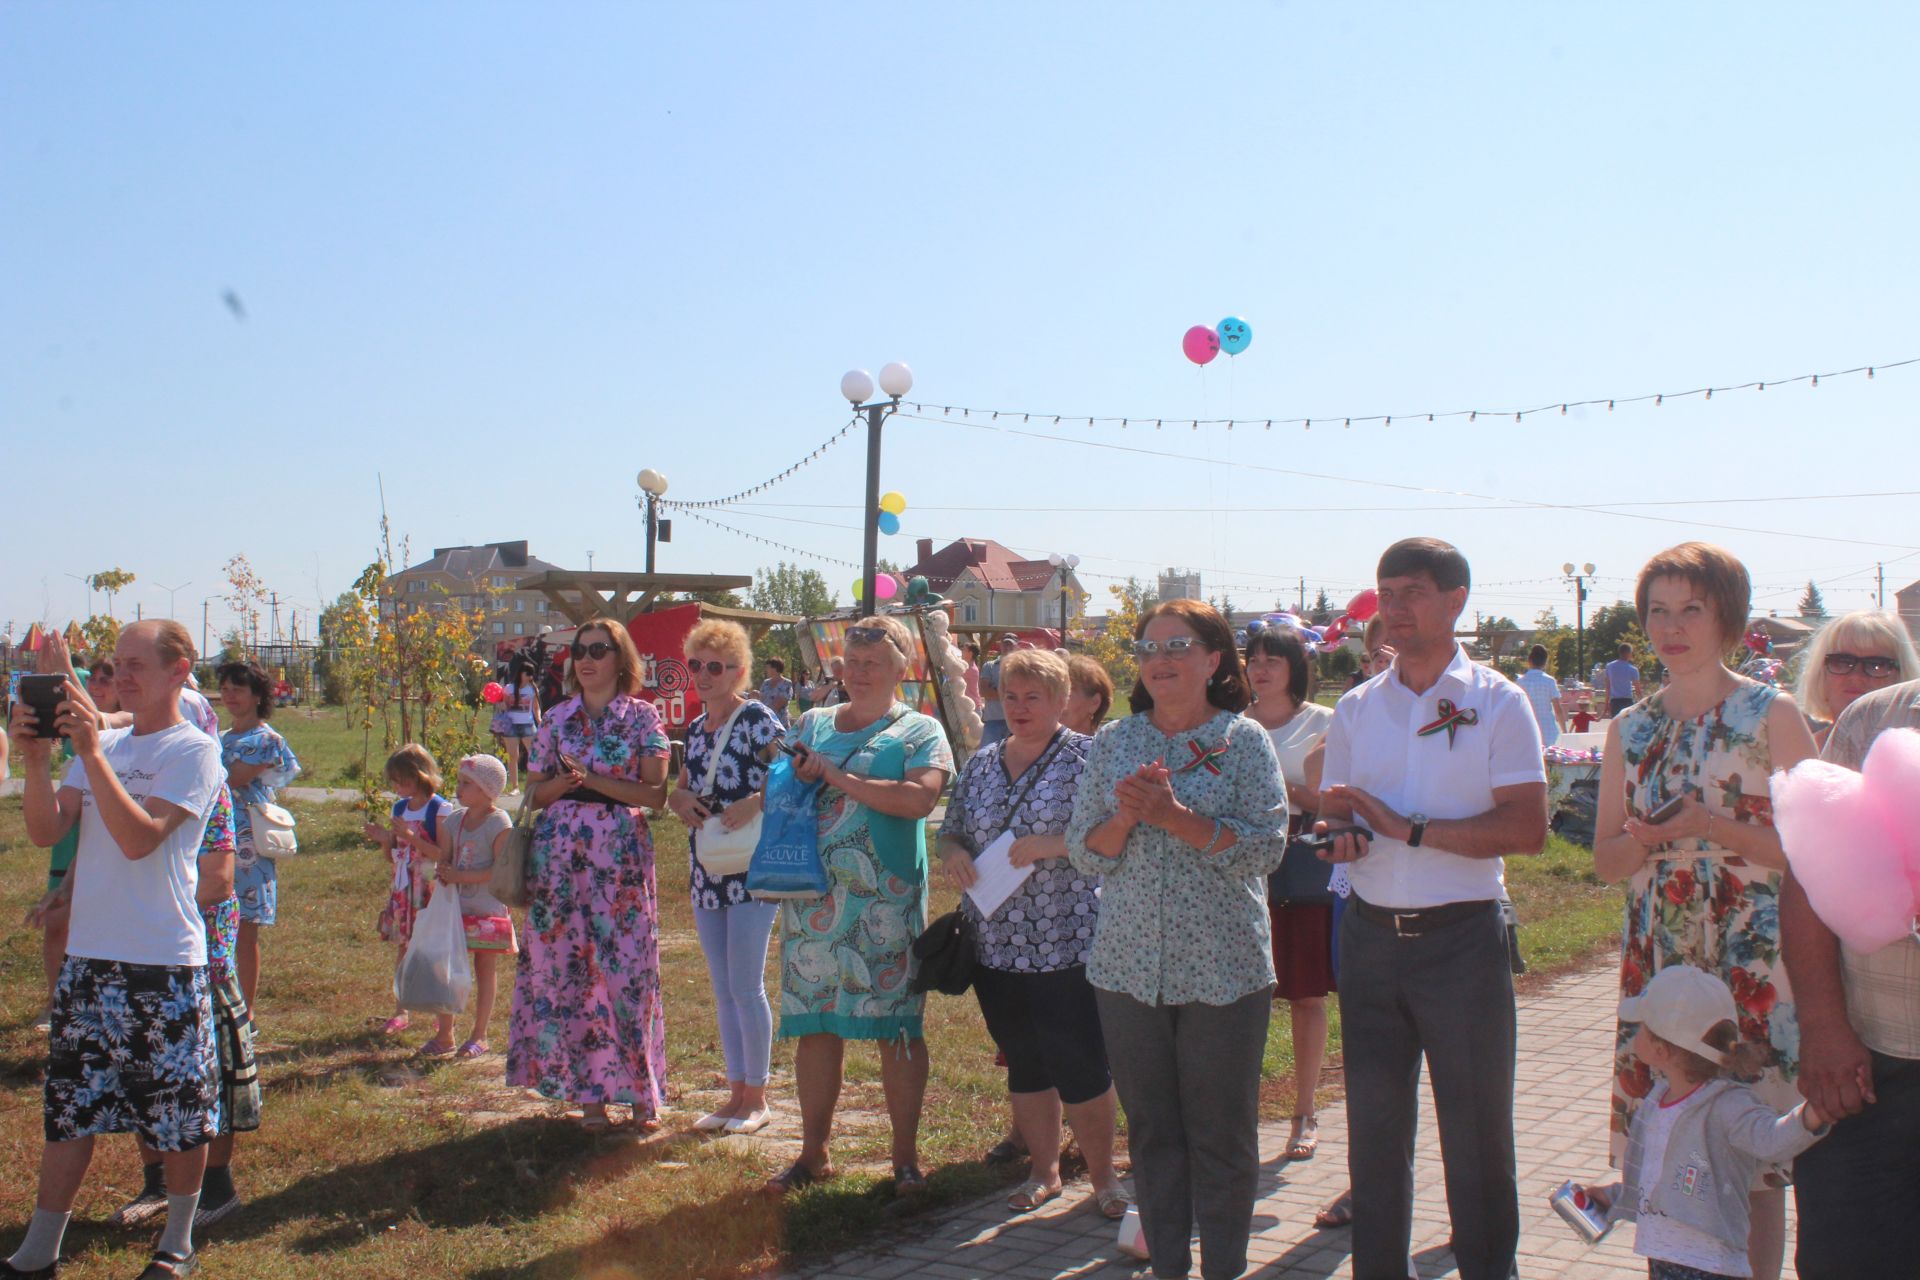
(1703, 886)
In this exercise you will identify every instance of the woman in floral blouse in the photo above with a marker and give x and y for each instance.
(1703, 886)
(1182, 812)
(587, 1024)
(725, 779)
(1030, 976)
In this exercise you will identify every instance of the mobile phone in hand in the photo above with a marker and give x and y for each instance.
(44, 694)
(1669, 810)
(570, 765)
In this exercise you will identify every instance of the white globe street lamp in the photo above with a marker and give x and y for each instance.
(857, 385)
(654, 486)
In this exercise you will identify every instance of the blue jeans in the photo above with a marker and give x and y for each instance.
(735, 942)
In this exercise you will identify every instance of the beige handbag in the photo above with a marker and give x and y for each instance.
(723, 852)
(509, 882)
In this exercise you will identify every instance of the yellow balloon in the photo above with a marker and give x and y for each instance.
(893, 503)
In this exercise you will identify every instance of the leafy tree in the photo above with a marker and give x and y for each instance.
(112, 581)
(1546, 620)
(245, 594)
(1492, 623)
(1813, 604)
(102, 634)
(790, 589)
(346, 630)
(1323, 610)
(1113, 647)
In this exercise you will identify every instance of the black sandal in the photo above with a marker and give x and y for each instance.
(171, 1266)
(1005, 1151)
(796, 1178)
(908, 1180)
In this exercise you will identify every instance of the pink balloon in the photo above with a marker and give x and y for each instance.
(1201, 344)
(886, 586)
(1364, 606)
(492, 692)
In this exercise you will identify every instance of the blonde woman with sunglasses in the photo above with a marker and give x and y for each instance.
(1854, 654)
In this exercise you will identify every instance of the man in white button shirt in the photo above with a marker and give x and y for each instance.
(1433, 773)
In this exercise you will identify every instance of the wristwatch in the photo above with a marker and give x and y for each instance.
(1418, 831)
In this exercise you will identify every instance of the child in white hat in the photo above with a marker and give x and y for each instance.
(468, 842)
(1698, 1139)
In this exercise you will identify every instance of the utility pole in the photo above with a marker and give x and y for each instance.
(203, 627)
(1303, 595)
(1880, 590)
(273, 627)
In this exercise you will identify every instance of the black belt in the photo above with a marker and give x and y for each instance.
(1411, 924)
(582, 795)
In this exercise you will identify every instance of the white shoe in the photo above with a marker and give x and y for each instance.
(712, 1122)
(752, 1122)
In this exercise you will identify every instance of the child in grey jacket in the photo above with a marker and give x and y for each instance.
(1698, 1139)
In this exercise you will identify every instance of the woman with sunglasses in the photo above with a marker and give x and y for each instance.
(587, 1024)
(1182, 812)
(723, 777)
(1856, 653)
(844, 956)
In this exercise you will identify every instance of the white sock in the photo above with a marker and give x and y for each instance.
(41, 1248)
(178, 1237)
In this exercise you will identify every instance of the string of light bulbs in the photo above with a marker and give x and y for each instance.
(1387, 419)
(771, 481)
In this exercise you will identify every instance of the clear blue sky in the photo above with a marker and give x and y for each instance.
(651, 235)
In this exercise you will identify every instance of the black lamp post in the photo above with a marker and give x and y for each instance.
(654, 486)
(1580, 615)
(856, 385)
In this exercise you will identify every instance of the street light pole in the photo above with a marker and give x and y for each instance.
(1580, 615)
(1063, 565)
(653, 485)
(171, 592)
(896, 380)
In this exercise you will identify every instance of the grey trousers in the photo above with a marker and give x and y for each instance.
(1189, 1077)
(1447, 994)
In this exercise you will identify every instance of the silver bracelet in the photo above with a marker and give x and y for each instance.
(1218, 828)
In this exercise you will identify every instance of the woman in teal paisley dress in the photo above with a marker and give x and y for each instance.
(844, 957)
(1703, 886)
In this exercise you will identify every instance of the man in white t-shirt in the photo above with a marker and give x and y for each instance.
(1433, 771)
(132, 1045)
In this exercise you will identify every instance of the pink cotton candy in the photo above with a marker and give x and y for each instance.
(1853, 839)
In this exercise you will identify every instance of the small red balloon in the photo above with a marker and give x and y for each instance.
(1364, 605)
(492, 692)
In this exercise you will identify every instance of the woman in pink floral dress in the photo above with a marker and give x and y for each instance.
(1703, 884)
(587, 1022)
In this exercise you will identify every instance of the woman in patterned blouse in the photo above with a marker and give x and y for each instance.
(1182, 812)
(726, 779)
(1030, 977)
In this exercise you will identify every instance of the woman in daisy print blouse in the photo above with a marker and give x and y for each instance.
(1182, 812)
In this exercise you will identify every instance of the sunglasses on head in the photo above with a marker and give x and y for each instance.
(712, 668)
(597, 650)
(1173, 648)
(872, 635)
(1844, 664)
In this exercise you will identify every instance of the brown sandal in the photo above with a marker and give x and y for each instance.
(797, 1178)
(1337, 1214)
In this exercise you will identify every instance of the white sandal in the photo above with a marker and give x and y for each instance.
(752, 1122)
(712, 1122)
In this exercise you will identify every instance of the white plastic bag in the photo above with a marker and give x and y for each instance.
(436, 975)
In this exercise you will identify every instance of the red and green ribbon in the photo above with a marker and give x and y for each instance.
(1207, 758)
(1452, 719)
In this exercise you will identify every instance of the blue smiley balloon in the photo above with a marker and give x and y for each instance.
(1236, 335)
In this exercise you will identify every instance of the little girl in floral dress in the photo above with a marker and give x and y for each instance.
(415, 778)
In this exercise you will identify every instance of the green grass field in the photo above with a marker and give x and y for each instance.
(373, 1164)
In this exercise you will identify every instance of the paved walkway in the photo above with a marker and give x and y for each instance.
(1560, 1112)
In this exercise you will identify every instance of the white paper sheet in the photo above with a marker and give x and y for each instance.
(998, 877)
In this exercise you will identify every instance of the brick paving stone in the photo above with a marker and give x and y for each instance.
(1560, 1109)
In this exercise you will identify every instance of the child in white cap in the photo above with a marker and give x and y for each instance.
(469, 841)
(1698, 1139)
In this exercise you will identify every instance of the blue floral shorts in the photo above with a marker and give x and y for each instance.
(133, 1050)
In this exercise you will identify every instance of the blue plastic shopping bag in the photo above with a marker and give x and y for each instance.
(786, 863)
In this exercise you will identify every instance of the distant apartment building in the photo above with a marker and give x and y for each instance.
(1180, 584)
(991, 585)
(482, 577)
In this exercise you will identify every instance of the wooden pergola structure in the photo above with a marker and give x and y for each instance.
(579, 596)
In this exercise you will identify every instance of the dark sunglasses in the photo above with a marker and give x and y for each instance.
(872, 635)
(597, 650)
(713, 668)
(1843, 664)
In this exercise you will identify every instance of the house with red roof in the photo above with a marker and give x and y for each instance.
(992, 585)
